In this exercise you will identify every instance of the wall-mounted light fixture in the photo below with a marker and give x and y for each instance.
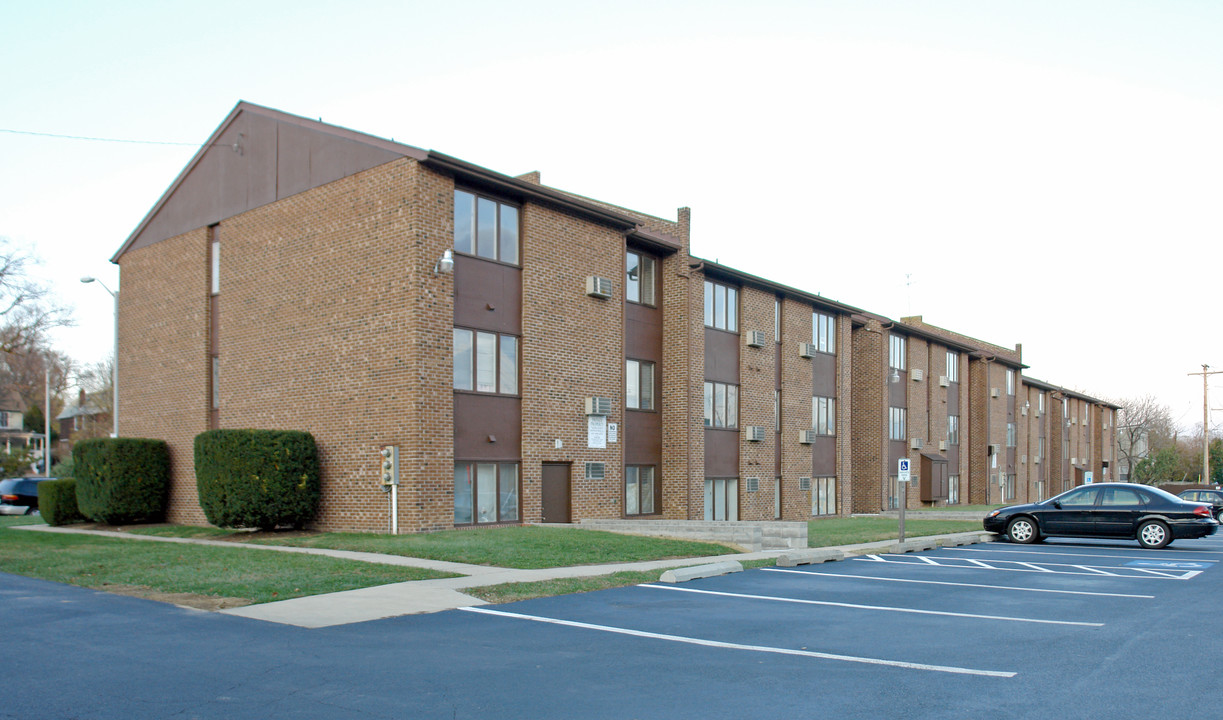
(895, 376)
(445, 265)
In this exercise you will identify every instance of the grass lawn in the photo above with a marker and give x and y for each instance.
(524, 547)
(237, 575)
(850, 531)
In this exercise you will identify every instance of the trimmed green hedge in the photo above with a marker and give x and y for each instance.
(257, 478)
(57, 502)
(122, 480)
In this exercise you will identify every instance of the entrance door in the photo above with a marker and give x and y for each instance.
(555, 493)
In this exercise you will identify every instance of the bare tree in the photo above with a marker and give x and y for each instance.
(27, 310)
(25, 372)
(1144, 427)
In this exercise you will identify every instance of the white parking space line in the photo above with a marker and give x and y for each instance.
(956, 584)
(737, 646)
(884, 608)
(1035, 567)
(1118, 571)
(1111, 557)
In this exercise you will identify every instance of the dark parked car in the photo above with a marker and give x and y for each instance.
(19, 496)
(1214, 498)
(1147, 514)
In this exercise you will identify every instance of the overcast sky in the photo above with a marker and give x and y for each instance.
(1045, 173)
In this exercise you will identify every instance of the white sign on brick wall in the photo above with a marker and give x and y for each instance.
(596, 431)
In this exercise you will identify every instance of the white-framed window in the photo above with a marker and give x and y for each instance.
(485, 493)
(953, 366)
(639, 278)
(897, 427)
(824, 332)
(896, 351)
(1040, 402)
(777, 320)
(639, 490)
(1009, 487)
(485, 362)
(721, 307)
(721, 498)
(1040, 449)
(214, 264)
(485, 227)
(953, 429)
(638, 385)
(891, 493)
(824, 415)
(823, 496)
(721, 405)
(1010, 434)
(953, 489)
(1010, 382)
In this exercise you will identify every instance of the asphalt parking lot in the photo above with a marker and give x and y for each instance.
(1065, 628)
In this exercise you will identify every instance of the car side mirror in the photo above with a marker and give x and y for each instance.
(1057, 504)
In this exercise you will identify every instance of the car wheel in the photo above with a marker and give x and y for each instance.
(1023, 530)
(1219, 516)
(1153, 535)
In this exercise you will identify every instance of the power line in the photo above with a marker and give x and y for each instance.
(97, 139)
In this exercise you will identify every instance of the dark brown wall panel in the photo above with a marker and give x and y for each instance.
(643, 438)
(487, 295)
(643, 332)
(824, 380)
(721, 453)
(897, 390)
(824, 456)
(721, 356)
(478, 416)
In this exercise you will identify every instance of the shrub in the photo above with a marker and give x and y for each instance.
(257, 478)
(122, 480)
(57, 502)
(63, 469)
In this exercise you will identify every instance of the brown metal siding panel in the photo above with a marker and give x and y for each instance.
(477, 416)
(824, 456)
(643, 438)
(487, 295)
(643, 332)
(824, 369)
(721, 356)
(721, 453)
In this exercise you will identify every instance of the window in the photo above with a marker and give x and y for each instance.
(721, 405)
(485, 493)
(216, 383)
(824, 496)
(721, 307)
(639, 278)
(777, 411)
(953, 366)
(3, 419)
(485, 362)
(485, 228)
(777, 498)
(896, 424)
(1080, 498)
(1040, 402)
(1040, 450)
(824, 332)
(639, 490)
(777, 320)
(1010, 382)
(1010, 435)
(214, 263)
(76, 422)
(824, 415)
(891, 493)
(721, 498)
(953, 489)
(1009, 488)
(953, 429)
(1120, 497)
(639, 385)
(896, 352)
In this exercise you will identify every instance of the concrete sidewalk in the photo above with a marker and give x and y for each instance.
(426, 596)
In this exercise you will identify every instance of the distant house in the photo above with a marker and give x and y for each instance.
(82, 420)
(13, 434)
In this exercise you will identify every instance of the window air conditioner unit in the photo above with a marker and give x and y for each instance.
(598, 406)
(916, 374)
(755, 338)
(804, 483)
(595, 470)
(752, 485)
(806, 350)
(599, 287)
(1074, 461)
(1074, 421)
(942, 446)
(915, 443)
(943, 381)
(806, 437)
(994, 448)
(995, 392)
(755, 433)
(1023, 458)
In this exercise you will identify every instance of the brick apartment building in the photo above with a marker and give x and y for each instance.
(539, 356)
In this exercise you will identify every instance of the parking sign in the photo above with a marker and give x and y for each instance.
(903, 470)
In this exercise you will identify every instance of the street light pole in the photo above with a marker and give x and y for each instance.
(114, 379)
(1206, 373)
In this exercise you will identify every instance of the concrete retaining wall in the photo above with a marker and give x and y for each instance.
(751, 536)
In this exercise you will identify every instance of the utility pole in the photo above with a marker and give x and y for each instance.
(1206, 373)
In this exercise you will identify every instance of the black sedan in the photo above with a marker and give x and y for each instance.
(1147, 514)
(19, 496)
(1213, 498)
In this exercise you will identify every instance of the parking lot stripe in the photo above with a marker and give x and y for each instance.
(1094, 571)
(738, 646)
(1035, 567)
(885, 608)
(1090, 569)
(1112, 557)
(955, 584)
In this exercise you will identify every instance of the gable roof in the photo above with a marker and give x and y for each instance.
(257, 156)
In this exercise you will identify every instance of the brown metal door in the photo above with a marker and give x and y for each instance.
(555, 493)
